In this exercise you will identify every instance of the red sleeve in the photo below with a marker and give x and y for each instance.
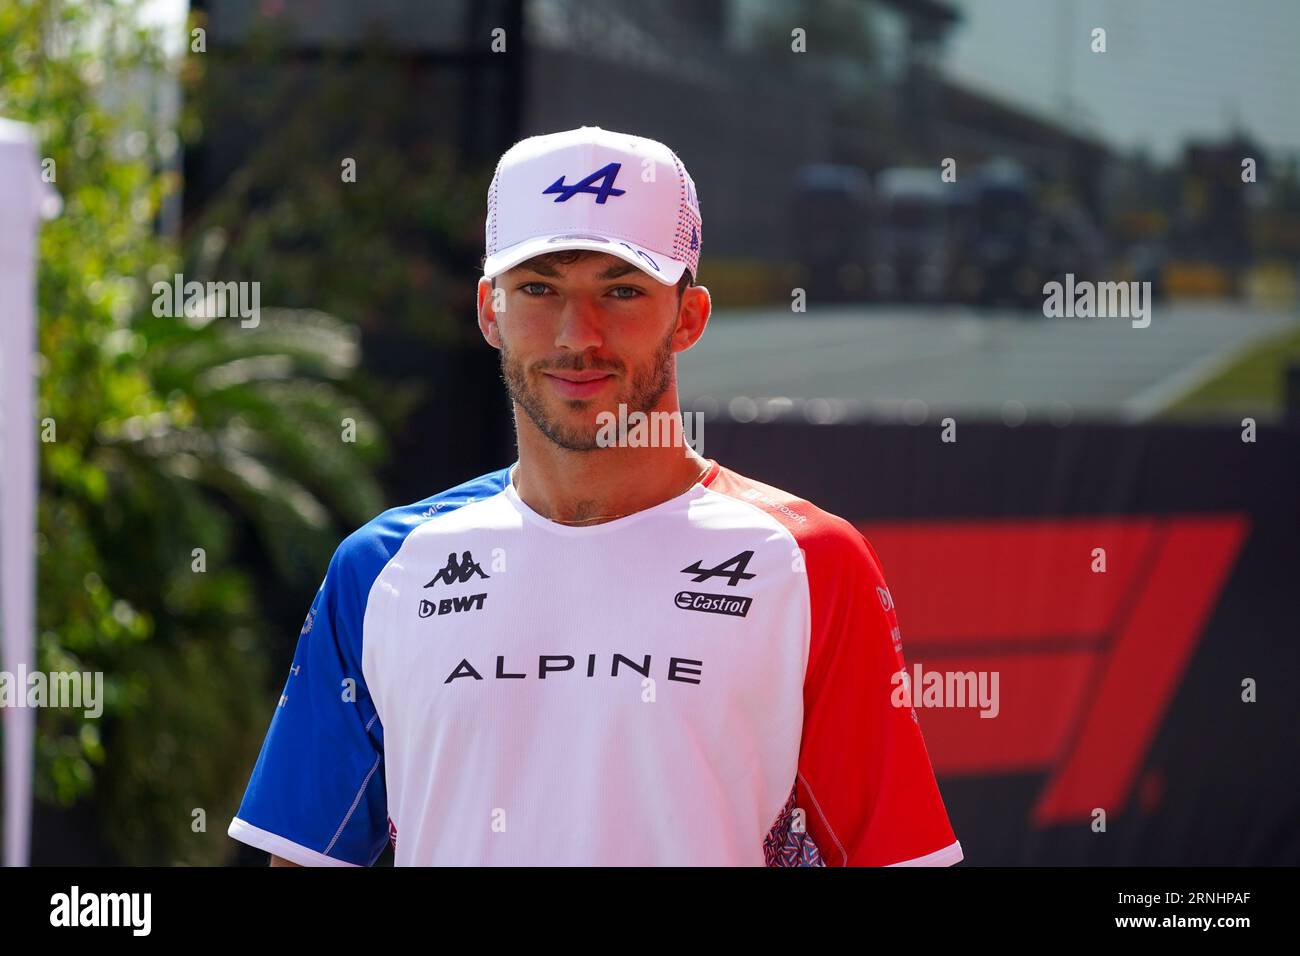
(865, 781)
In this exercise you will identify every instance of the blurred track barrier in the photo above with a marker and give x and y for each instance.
(1271, 285)
(1197, 280)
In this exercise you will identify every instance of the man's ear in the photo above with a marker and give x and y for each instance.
(697, 306)
(487, 317)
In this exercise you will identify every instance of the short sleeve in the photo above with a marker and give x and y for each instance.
(317, 794)
(865, 780)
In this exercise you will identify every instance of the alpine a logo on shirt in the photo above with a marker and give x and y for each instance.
(457, 572)
(605, 175)
(734, 575)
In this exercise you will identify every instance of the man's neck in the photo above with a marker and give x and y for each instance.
(601, 485)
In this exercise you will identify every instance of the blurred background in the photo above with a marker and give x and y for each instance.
(882, 210)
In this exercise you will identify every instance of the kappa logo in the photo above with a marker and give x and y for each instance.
(733, 569)
(605, 176)
(458, 572)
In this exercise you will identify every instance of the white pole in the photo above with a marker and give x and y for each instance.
(22, 195)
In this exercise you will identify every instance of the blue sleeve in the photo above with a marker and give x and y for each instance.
(317, 794)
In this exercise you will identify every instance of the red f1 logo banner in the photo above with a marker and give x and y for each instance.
(1090, 624)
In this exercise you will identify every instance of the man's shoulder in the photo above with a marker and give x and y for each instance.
(837, 557)
(815, 529)
(369, 547)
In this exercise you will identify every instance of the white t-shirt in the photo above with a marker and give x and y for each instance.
(704, 682)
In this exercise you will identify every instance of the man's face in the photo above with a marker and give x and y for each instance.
(580, 339)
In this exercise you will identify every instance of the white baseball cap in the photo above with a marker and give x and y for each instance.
(593, 188)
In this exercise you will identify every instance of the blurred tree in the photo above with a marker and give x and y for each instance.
(337, 170)
(171, 434)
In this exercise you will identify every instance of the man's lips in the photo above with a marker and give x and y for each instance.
(578, 384)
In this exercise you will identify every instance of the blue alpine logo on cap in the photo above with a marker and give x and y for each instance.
(605, 176)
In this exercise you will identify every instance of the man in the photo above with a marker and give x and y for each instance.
(612, 652)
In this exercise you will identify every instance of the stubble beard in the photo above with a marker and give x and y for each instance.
(647, 387)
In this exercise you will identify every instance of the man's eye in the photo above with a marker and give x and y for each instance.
(541, 286)
(627, 288)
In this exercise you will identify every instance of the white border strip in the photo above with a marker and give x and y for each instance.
(245, 832)
(1158, 396)
(946, 857)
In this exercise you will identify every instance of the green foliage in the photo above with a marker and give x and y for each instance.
(172, 434)
(345, 181)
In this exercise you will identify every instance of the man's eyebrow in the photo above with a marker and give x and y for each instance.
(542, 269)
(620, 268)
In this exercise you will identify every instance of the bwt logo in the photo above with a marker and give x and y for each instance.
(452, 605)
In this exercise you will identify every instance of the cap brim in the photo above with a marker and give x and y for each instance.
(656, 265)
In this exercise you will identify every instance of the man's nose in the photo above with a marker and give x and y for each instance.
(580, 325)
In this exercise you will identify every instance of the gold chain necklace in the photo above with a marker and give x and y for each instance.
(574, 521)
